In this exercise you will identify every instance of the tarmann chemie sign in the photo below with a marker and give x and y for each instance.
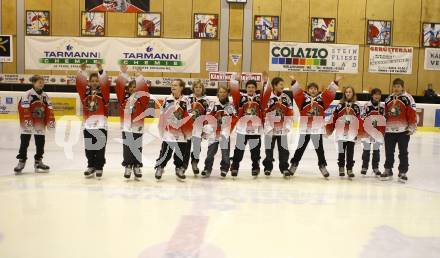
(155, 55)
(311, 57)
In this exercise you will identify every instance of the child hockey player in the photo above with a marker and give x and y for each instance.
(175, 127)
(401, 116)
(36, 114)
(279, 115)
(373, 113)
(312, 105)
(346, 120)
(226, 118)
(249, 126)
(94, 95)
(133, 100)
(199, 104)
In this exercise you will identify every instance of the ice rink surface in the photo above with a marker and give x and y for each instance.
(62, 214)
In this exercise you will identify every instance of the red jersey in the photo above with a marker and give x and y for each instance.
(132, 106)
(400, 113)
(94, 101)
(373, 116)
(312, 107)
(279, 114)
(225, 116)
(35, 112)
(345, 117)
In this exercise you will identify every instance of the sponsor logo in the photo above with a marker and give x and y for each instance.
(151, 58)
(69, 56)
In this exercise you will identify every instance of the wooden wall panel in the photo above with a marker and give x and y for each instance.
(380, 9)
(9, 17)
(265, 7)
(295, 20)
(177, 23)
(425, 77)
(66, 18)
(156, 6)
(375, 80)
(430, 11)
(121, 24)
(236, 13)
(351, 24)
(327, 9)
(322, 79)
(260, 58)
(11, 67)
(210, 53)
(235, 47)
(406, 25)
(37, 4)
(177, 18)
(203, 6)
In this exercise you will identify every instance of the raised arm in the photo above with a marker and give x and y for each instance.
(297, 91)
(330, 93)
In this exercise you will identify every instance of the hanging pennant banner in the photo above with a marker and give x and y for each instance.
(313, 57)
(148, 54)
(121, 6)
(432, 59)
(235, 58)
(396, 60)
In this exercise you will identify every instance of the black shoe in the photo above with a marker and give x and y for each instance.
(137, 172)
(127, 173)
(286, 174)
(341, 172)
(386, 175)
(223, 173)
(180, 174)
(324, 172)
(377, 172)
(267, 172)
(89, 172)
(402, 177)
(195, 169)
(364, 171)
(159, 173)
(99, 173)
(255, 172)
(20, 166)
(40, 167)
(206, 173)
(292, 169)
(350, 173)
(234, 173)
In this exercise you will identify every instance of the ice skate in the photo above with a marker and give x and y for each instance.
(180, 174)
(137, 172)
(40, 167)
(90, 172)
(324, 172)
(20, 166)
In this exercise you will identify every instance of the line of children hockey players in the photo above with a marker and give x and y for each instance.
(186, 120)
